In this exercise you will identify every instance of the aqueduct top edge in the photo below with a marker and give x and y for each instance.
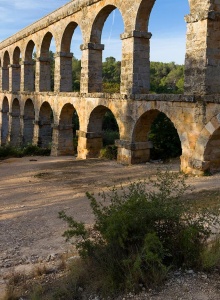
(56, 15)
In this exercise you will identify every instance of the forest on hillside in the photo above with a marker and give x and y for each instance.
(164, 77)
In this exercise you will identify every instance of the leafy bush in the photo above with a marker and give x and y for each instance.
(211, 255)
(109, 152)
(140, 233)
(35, 150)
(9, 151)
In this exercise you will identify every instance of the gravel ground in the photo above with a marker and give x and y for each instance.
(34, 189)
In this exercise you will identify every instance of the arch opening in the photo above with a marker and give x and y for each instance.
(105, 130)
(160, 135)
(106, 31)
(68, 126)
(5, 122)
(168, 44)
(15, 124)
(46, 63)
(212, 152)
(5, 71)
(29, 66)
(46, 120)
(29, 117)
(16, 70)
(71, 61)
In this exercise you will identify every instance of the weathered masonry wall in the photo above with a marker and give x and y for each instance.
(46, 118)
(17, 65)
(32, 113)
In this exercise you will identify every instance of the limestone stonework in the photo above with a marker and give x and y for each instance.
(32, 113)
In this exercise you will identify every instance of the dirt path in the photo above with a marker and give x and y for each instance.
(34, 189)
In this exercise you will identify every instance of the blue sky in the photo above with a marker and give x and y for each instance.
(166, 24)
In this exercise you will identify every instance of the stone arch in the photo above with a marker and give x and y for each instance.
(140, 135)
(96, 118)
(46, 120)
(143, 125)
(28, 56)
(6, 59)
(95, 48)
(29, 118)
(95, 130)
(16, 56)
(65, 59)
(29, 67)
(45, 64)
(212, 152)
(16, 70)
(207, 148)
(67, 37)
(15, 136)
(45, 45)
(143, 15)
(97, 26)
(5, 71)
(66, 130)
(5, 121)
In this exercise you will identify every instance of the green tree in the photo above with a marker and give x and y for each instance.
(166, 77)
(76, 73)
(165, 139)
(111, 72)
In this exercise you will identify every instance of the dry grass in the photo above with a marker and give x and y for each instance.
(204, 199)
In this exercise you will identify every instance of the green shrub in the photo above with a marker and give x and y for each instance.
(141, 232)
(10, 151)
(109, 152)
(211, 255)
(35, 150)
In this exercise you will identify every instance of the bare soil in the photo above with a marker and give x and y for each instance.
(34, 189)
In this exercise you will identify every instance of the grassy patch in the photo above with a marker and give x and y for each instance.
(203, 199)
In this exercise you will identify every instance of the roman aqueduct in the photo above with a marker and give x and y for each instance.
(32, 113)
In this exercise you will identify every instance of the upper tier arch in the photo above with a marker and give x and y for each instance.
(98, 23)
